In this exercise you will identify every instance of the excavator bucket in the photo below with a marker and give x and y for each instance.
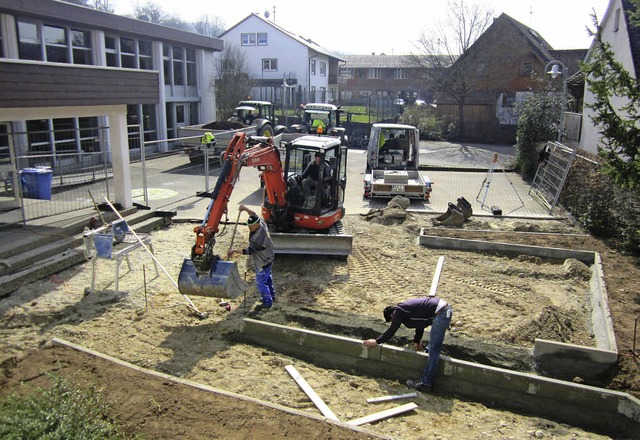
(223, 281)
(453, 217)
(464, 206)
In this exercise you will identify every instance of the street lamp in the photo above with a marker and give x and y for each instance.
(554, 72)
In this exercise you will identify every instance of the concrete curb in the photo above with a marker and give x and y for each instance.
(557, 359)
(293, 411)
(588, 407)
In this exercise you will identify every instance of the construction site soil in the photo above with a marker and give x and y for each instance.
(500, 305)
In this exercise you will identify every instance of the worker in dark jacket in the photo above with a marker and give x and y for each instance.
(419, 313)
(318, 169)
(261, 250)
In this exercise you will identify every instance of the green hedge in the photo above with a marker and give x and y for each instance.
(602, 208)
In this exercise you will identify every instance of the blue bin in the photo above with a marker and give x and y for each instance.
(104, 245)
(36, 183)
(120, 229)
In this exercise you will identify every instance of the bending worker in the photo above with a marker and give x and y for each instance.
(419, 313)
(261, 250)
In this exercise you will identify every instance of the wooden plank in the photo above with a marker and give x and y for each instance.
(436, 277)
(388, 398)
(383, 414)
(324, 409)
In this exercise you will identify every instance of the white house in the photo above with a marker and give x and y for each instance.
(625, 42)
(277, 57)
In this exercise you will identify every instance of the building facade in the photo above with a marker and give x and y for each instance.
(287, 69)
(66, 70)
(624, 39)
(382, 77)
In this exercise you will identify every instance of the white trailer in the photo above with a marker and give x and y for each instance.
(392, 163)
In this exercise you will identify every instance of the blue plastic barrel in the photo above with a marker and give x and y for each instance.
(36, 183)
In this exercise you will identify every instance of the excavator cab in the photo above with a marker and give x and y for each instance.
(324, 191)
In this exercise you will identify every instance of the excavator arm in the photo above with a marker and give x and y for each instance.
(239, 153)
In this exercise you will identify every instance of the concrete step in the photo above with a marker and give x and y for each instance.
(48, 258)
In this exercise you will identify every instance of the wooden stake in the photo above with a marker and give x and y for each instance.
(436, 277)
(324, 409)
(388, 398)
(383, 414)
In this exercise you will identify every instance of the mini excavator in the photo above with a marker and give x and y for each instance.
(300, 222)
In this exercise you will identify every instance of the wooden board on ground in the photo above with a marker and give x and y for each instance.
(324, 409)
(383, 414)
(388, 398)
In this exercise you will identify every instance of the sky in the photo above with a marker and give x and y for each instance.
(359, 27)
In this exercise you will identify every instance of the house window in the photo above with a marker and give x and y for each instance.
(616, 21)
(248, 39)
(178, 65)
(373, 73)
(1, 48)
(145, 55)
(313, 67)
(262, 39)
(191, 68)
(526, 69)
(400, 73)
(29, 42)
(55, 42)
(166, 64)
(81, 47)
(269, 64)
(127, 53)
(346, 72)
(111, 49)
(323, 68)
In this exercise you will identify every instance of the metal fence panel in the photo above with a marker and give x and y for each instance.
(552, 172)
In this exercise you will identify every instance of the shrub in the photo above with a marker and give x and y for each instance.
(423, 117)
(61, 412)
(537, 123)
(600, 206)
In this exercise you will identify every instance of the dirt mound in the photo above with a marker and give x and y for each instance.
(223, 125)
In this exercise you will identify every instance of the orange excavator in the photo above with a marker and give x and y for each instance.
(302, 219)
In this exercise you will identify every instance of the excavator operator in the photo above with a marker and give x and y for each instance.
(316, 169)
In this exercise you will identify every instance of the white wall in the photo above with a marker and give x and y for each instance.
(619, 40)
(292, 55)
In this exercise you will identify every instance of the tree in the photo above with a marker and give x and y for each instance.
(616, 109)
(232, 82)
(104, 6)
(441, 56)
(537, 122)
(175, 21)
(150, 11)
(209, 26)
